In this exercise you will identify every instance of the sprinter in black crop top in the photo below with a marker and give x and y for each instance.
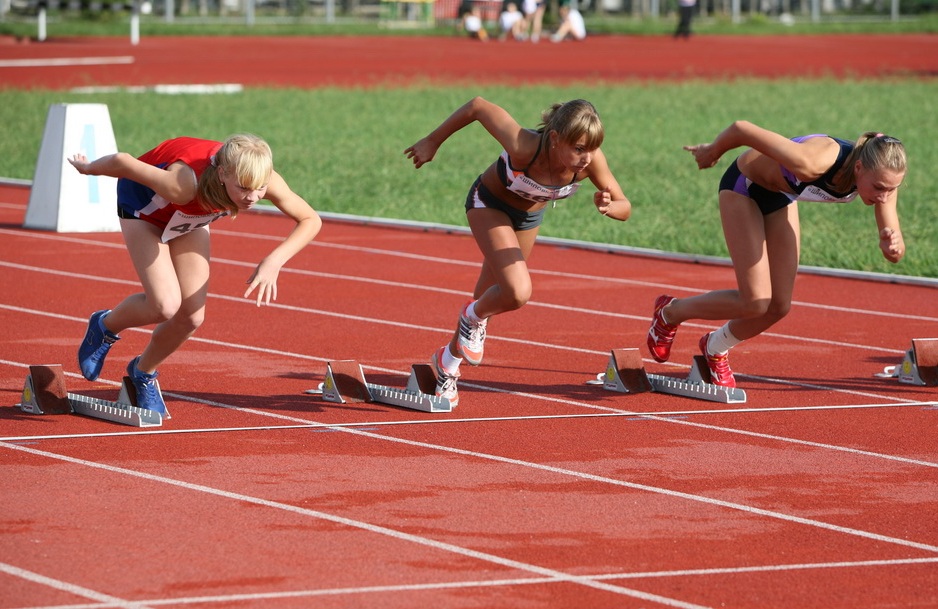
(506, 203)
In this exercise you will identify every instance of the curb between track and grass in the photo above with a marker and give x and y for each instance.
(608, 248)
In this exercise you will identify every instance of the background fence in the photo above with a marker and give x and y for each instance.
(420, 10)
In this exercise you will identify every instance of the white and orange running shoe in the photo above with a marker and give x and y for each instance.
(471, 342)
(445, 382)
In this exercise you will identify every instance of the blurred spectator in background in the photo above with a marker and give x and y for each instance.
(686, 14)
(571, 25)
(511, 23)
(534, 17)
(472, 23)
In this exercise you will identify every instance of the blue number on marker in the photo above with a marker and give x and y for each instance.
(87, 144)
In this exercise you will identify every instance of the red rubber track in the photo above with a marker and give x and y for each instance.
(539, 490)
(392, 61)
(536, 490)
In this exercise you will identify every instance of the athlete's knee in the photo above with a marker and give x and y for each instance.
(777, 310)
(519, 301)
(766, 308)
(754, 307)
(165, 307)
(189, 321)
(516, 296)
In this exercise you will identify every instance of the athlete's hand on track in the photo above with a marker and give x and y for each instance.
(264, 280)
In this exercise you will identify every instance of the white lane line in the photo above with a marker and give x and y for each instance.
(554, 574)
(52, 62)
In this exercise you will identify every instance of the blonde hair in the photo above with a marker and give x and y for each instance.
(874, 151)
(572, 120)
(245, 157)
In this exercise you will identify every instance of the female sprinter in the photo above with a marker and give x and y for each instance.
(166, 200)
(507, 202)
(760, 225)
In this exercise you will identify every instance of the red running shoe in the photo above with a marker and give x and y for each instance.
(720, 372)
(661, 334)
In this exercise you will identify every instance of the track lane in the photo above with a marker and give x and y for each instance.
(806, 466)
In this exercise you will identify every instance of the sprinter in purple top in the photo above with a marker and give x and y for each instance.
(762, 231)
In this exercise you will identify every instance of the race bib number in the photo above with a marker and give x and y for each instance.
(819, 195)
(182, 223)
(528, 189)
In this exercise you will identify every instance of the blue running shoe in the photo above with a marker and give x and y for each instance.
(94, 348)
(148, 390)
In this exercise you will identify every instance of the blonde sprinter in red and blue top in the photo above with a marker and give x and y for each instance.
(507, 202)
(166, 200)
(758, 193)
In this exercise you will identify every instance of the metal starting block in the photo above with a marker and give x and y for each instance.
(345, 382)
(919, 366)
(626, 374)
(698, 385)
(44, 393)
(117, 412)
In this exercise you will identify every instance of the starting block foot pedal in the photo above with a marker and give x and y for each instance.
(128, 395)
(422, 379)
(625, 372)
(698, 385)
(44, 391)
(345, 383)
(700, 371)
(919, 366)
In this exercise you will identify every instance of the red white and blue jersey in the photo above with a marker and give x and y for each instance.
(173, 217)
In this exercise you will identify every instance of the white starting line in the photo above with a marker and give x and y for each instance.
(51, 62)
(194, 89)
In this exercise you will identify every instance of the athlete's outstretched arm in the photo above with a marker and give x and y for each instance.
(176, 183)
(308, 223)
(496, 120)
(806, 160)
